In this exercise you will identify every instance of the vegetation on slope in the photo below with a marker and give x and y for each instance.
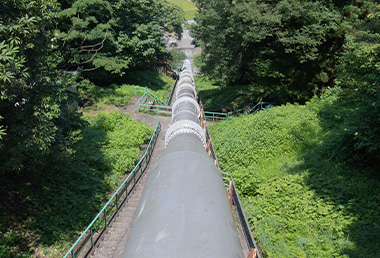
(303, 193)
(44, 210)
(42, 214)
(217, 98)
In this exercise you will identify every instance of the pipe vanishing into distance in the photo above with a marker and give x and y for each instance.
(184, 209)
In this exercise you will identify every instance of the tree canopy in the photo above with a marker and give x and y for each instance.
(44, 43)
(112, 37)
(290, 50)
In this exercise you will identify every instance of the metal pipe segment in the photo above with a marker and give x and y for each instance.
(185, 115)
(187, 73)
(184, 209)
(185, 79)
(186, 103)
(186, 89)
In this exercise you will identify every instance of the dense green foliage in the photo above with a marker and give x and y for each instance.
(358, 88)
(215, 98)
(98, 98)
(286, 50)
(42, 215)
(300, 200)
(44, 43)
(31, 90)
(121, 145)
(290, 50)
(105, 38)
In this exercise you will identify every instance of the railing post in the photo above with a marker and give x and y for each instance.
(105, 218)
(92, 239)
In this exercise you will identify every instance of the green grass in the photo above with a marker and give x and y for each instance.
(216, 98)
(98, 98)
(300, 201)
(187, 6)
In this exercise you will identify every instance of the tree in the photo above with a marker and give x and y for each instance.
(31, 91)
(358, 78)
(285, 48)
(113, 37)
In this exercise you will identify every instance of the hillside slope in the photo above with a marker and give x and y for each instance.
(301, 199)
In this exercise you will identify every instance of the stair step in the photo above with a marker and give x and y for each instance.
(118, 225)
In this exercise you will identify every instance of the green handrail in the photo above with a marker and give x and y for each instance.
(141, 101)
(142, 106)
(115, 197)
(154, 108)
(215, 115)
(172, 92)
(148, 92)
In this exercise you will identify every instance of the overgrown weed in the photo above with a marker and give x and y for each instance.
(302, 196)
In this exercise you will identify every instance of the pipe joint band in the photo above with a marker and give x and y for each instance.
(185, 126)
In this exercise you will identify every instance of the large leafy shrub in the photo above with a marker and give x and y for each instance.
(300, 201)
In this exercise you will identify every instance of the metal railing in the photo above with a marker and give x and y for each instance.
(230, 184)
(94, 231)
(260, 106)
(154, 109)
(147, 92)
(215, 115)
(172, 92)
(249, 239)
(211, 147)
(144, 104)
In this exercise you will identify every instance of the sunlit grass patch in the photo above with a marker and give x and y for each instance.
(187, 6)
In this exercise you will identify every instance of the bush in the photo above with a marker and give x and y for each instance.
(122, 141)
(299, 200)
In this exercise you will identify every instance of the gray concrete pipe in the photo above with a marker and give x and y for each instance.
(187, 75)
(185, 79)
(184, 211)
(186, 72)
(186, 83)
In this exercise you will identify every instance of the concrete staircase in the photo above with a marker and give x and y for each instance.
(115, 238)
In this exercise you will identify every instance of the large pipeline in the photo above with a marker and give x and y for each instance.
(184, 209)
